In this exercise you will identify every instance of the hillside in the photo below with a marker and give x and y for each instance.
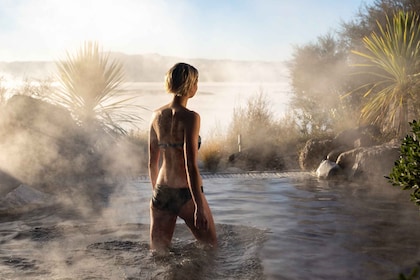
(152, 68)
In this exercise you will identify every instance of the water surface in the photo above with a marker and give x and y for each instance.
(270, 226)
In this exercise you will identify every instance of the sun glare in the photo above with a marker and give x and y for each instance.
(61, 26)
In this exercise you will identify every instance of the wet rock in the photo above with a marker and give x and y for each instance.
(7, 183)
(371, 164)
(314, 152)
(328, 170)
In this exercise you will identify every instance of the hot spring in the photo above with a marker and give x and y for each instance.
(270, 226)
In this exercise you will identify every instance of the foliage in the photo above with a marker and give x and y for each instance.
(392, 56)
(261, 139)
(406, 171)
(91, 88)
(254, 122)
(412, 276)
(367, 19)
(211, 153)
(318, 78)
(40, 89)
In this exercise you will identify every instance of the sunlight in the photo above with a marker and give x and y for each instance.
(63, 25)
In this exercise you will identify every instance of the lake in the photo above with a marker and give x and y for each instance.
(270, 225)
(215, 102)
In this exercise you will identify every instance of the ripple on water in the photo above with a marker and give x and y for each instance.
(95, 251)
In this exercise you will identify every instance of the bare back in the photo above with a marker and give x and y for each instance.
(174, 137)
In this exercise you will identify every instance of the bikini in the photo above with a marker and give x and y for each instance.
(170, 199)
(177, 145)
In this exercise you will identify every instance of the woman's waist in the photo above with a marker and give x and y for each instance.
(176, 181)
(174, 184)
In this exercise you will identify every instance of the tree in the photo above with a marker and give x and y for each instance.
(393, 58)
(91, 88)
(366, 20)
(318, 74)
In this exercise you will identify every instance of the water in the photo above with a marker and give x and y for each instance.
(270, 226)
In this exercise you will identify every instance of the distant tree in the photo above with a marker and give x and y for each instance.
(318, 79)
(91, 88)
(366, 20)
(393, 58)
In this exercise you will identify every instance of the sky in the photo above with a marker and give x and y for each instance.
(265, 30)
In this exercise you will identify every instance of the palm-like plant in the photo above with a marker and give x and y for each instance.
(393, 58)
(91, 88)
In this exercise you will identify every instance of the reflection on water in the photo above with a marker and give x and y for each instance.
(280, 226)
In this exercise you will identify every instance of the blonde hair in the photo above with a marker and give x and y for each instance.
(180, 79)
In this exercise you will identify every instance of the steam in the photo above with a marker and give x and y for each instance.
(43, 148)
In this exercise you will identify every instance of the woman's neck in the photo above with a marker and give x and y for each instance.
(180, 100)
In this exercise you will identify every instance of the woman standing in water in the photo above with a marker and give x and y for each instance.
(177, 185)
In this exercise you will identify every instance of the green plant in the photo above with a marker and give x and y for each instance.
(91, 88)
(406, 171)
(413, 274)
(392, 56)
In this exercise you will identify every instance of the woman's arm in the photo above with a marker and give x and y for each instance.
(154, 154)
(192, 130)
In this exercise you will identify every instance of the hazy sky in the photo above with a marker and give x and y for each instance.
(215, 29)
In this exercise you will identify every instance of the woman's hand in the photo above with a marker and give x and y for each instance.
(200, 219)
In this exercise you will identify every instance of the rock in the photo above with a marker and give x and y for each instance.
(346, 160)
(370, 164)
(7, 183)
(374, 163)
(363, 136)
(342, 150)
(313, 153)
(328, 170)
(24, 196)
(334, 154)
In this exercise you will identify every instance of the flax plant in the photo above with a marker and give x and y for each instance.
(393, 59)
(91, 89)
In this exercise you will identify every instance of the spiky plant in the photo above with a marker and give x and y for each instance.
(91, 88)
(393, 58)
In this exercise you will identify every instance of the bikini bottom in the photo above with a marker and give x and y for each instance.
(170, 199)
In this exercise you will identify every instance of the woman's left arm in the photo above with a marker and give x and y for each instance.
(154, 154)
(193, 173)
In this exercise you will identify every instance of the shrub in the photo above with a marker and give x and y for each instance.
(212, 150)
(406, 171)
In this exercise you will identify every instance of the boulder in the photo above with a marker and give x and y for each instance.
(374, 163)
(7, 183)
(363, 136)
(314, 152)
(370, 164)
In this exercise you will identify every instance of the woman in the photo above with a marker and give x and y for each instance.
(177, 185)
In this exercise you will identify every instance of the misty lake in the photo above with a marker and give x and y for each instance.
(215, 102)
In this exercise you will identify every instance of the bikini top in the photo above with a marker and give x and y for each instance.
(177, 145)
